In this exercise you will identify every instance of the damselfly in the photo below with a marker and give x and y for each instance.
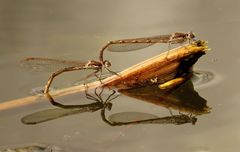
(65, 66)
(125, 45)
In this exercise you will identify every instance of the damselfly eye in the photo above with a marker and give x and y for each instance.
(107, 63)
(109, 106)
(191, 35)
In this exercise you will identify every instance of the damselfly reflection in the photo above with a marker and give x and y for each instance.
(182, 99)
(173, 119)
(99, 103)
(98, 66)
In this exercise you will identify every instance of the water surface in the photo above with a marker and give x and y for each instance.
(77, 29)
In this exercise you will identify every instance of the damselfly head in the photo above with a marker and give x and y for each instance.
(106, 63)
(190, 35)
(109, 106)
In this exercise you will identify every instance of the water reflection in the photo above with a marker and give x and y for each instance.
(183, 99)
(173, 119)
(67, 110)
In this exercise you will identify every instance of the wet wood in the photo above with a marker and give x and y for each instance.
(161, 68)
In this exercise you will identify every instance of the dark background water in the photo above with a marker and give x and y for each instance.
(77, 29)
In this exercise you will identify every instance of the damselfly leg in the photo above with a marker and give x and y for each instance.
(98, 95)
(50, 80)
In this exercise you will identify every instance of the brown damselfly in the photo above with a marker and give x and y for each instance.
(125, 45)
(41, 64)
(114, 46)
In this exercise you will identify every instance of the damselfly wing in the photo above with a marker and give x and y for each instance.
(48, 65)
(126, 45)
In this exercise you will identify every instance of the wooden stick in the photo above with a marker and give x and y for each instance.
(162, 63)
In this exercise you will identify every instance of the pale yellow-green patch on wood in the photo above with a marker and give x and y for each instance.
(172, 83)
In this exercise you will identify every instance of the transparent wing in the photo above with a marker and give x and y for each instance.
(126, 45)
(51, 114)
(48, 65)
(46, 115)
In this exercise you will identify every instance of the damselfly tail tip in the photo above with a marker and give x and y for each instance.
(29, 58)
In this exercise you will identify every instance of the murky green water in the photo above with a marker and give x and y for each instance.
(76, 30)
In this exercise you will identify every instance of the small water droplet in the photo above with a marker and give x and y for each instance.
(77, 133)
(122, 134)
(67, 137)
